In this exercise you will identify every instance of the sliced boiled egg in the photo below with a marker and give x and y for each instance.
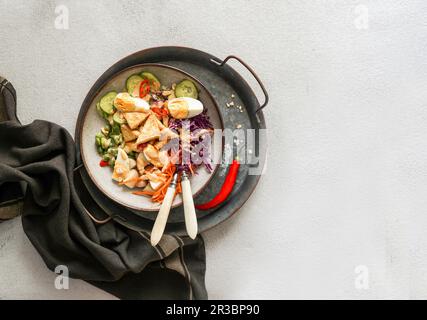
(185, 107)
(126, 103)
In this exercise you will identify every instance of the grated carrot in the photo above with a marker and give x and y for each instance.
(159, 194)
(143, 193)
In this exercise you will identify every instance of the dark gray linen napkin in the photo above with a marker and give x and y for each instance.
(37, 179)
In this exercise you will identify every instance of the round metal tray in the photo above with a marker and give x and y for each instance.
(222, 82)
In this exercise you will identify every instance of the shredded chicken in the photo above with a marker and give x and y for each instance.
(121, 166)
(131, 179)
(152, 155)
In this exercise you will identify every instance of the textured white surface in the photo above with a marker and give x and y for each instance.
(347, 174)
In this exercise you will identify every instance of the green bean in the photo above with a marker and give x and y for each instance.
(112, 151)
(115, 129)
(98, 138)
(105, 143)
(118, 139)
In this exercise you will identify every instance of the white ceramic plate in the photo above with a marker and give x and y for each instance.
(92, 123)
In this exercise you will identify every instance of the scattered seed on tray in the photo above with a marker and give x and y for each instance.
(231, 104)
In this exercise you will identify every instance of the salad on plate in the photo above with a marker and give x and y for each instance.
(153, 131)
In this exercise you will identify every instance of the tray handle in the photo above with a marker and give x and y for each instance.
(223, 62)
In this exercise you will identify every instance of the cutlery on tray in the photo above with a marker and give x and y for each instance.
(162, 216)
(189, 210)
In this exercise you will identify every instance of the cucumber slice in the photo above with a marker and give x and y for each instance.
(186, 88)
(154, 82)
(132, 85)
(118, 119)
(106, 102)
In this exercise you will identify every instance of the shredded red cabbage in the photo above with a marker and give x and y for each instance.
(200, 121)
(196, 123)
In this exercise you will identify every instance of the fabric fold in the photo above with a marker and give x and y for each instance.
(37, 165)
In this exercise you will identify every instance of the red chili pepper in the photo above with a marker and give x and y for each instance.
(144, 88)
(226, 188)
(160, 111)
(103, 163)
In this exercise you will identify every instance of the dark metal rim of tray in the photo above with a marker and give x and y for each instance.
(222, 81)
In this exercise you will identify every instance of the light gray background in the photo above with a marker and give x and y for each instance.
(346, 178)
